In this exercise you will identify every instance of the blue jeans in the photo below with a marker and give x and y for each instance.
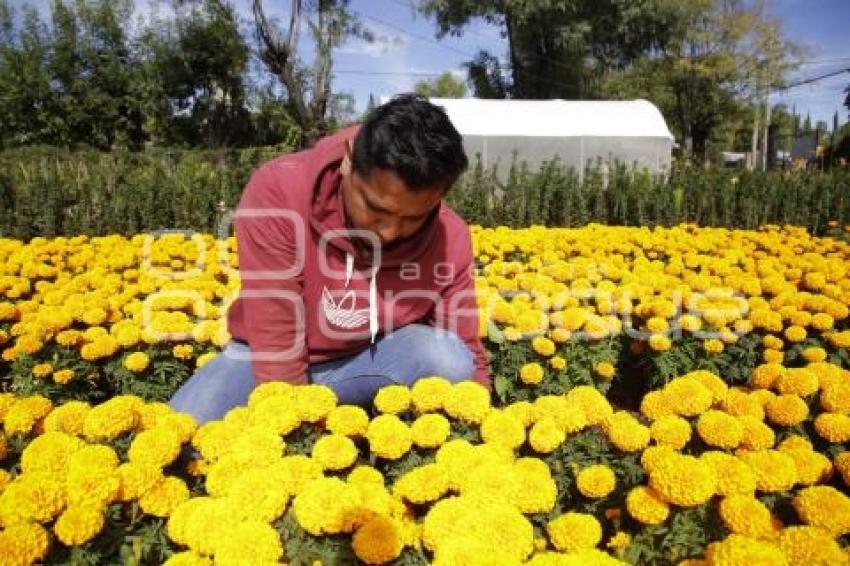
(401, 357)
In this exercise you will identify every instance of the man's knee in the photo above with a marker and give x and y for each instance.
(441, 353)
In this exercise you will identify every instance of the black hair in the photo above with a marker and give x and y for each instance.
(415, 139)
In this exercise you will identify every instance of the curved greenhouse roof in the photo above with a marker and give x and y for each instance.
(580, 133)
(630, 118)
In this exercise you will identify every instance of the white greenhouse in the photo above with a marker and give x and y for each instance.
(579, 132)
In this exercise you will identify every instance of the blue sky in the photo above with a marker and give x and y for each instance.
(408, 50)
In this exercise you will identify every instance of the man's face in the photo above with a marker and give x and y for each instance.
(381, 203)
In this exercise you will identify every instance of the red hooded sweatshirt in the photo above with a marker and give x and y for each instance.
(309, 295)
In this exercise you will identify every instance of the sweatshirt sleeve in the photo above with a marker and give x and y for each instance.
(458, 311)
(269, 240)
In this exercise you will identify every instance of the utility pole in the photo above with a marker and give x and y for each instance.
(764, 139)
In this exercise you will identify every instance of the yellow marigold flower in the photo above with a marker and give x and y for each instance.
(812, 467)
(771, 356)
(42, 370)
(842, 464)
(78, 524)
(49, 452)
(720, 429)
(196, 521)
(804, 546)
(787, 410)
(738, 402)
(833, 427)
(774, 470)
(596, 481)
(389, 437)
(765, 375)
(655, 405)
(24, 413)
(688, 397)
(109, 420)
(314, 402)
(423, 484)
(543, 346)
(736, 550)
(334, 452)
(522, 411)
(501, 427)
(348, 420)
(158, 447)
(657, 325)
(646, 506)
(430, 430)
(278, 413)
(429, 394)
(36, 496)
(683, 480)
(746, 515)
(711, 381)
(605, 370)
(771, 341)
(365, 475)
(659, 342)
(713, 346)
(560, 335)
(137, 362)
(734, 477)
(619, 541)
(183, 351)
(653, 455)
(494, 526)
(326, 506)
(536, 491)
(574, 531)
(795, 333)
(531, 373)
(757, 435)
(671, 430)
(468, 401)
(378, 541)
(798, 381)
(272, 389)
(393, 399)
(762, 396)
(63, 376)
(546, 435)
(592, 403)
(256, 539)
(164, 497)
(690, 323)
(557, 363)
(24, 543)
(626, 433)
(135, 479)
(825, 507)
(68, 418)
(814, 354)
(835, 397)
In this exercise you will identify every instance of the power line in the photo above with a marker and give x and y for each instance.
(816, 79)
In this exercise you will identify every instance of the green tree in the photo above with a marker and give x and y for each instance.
(562, 49)
(201, 61)
(720, 54)
(485, 75)
(444, 86)
(27, 104)
(91, 69)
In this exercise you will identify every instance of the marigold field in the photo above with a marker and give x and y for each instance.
(667, 396)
